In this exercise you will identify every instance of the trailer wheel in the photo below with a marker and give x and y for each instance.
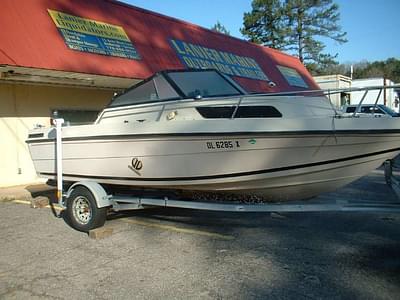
(82, 212)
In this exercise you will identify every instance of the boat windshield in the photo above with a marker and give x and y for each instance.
(152, 90)
(170, 85)
(203, 83)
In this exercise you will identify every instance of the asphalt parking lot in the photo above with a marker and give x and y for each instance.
(187, 254)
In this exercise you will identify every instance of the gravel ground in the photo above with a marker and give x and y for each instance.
(186, 254)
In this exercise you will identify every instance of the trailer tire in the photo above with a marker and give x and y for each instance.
(82, 212)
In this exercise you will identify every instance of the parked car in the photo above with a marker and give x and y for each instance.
(379, 110)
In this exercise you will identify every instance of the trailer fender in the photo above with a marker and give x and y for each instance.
(100, 195)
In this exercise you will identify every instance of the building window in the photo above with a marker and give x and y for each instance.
(75, 116)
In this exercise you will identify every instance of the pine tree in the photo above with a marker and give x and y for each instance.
(294, 26)
(309, 19)
(218, 27)
(266, 23)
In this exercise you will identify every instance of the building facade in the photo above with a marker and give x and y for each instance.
(336, 82)
(386, 97)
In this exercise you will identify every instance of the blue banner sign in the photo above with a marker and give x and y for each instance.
(199, 57)
(93, 36)
(292, 77)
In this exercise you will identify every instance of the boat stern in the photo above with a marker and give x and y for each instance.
(41, 145)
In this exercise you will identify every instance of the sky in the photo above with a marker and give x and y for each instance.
(373, 27)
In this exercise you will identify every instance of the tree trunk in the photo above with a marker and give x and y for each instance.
(300, 33)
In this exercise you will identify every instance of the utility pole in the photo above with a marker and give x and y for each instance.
(351, 72)
(384, 90)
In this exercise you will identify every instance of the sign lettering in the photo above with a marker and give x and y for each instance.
(199, 57)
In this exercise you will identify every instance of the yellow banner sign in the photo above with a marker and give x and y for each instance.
(66, 21)
(93, 36)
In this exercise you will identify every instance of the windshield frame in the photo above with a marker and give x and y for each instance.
(233, 84)
(171, 82)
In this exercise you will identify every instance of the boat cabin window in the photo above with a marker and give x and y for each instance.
(203, 83)
(258, 112)
(222, 112)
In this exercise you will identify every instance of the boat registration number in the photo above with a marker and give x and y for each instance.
(222, 144)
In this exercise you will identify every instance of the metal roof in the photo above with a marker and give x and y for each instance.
(30, 39)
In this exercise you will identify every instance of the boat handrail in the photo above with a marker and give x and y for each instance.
(242, 98)
(327, 91)
(324, 92)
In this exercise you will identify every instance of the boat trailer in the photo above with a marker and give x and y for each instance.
(86, 202)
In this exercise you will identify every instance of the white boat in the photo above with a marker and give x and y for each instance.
(200, 131)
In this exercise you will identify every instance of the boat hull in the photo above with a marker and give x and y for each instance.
(276, 167)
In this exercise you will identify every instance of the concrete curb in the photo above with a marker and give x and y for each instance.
(25, 192)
